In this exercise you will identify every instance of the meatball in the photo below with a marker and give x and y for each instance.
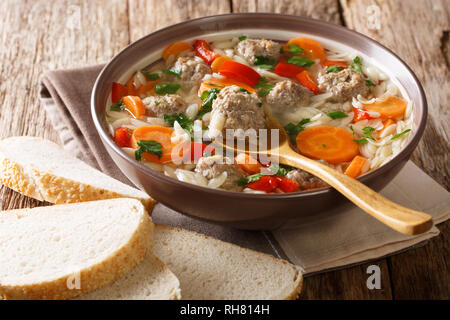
(241, 109)
(191, 69)
(158, 106)
(252, 48)
(287, 94)
(343, 85)
(305, 180)
(213, 166)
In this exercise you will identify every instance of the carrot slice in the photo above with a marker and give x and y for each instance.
(330, 63)
(307, 81)
(220, 83)
(355, 167)
(135, 105)
(175, 49)
(248, 163)
(312, 48)
(392, 107)
(218, 62)
(146, 88)
(159, 134)
(334, 145)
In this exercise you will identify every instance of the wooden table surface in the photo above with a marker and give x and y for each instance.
(40, 35)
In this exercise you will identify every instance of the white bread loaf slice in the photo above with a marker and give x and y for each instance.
(41, 169)
(149, 280)
(46, 250)
(212, 269)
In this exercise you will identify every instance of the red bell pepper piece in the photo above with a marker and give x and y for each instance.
(204, 51)
(198, 150)
(265, 183)
(239, 72)
(287, 185)
(289, 70)
(330, 63)
(307, 81)
(118, 91)
(359, 115)
(122, 137)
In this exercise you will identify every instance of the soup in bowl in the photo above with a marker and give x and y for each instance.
(338, 104)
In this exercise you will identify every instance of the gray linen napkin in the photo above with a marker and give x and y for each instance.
(340, 239)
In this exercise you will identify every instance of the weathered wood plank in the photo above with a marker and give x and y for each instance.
(320, 9)
(418, 32)
(36, 37)
(148, 16)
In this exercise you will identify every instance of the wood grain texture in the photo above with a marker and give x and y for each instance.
(36, 37)
(327, 10)
(148, 16)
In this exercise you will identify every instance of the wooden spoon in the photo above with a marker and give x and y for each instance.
(397, 217)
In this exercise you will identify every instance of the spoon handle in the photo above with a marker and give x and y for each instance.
(397, 217)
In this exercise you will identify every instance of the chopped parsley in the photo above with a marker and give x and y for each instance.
(294, 49)
(208, 98)
(185, 122)
(265, 87)
(356, 66)
(337, 115)
(259, 104)
(215, 85)
(282, 169)
(300, 61)
(118, 106)
(151, 76)
(264, 62)
(246, 180)
(323, 145)
(242, 38)
(398, 135)
(367, 135)
(167, 88)
(243, 90)
(293, 129)
(334, 69)
(149, 146)
(172, 72)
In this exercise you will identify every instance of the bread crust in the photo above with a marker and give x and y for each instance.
(45, 186)
(93, 277)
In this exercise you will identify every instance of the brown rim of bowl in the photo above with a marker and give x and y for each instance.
(161, 176)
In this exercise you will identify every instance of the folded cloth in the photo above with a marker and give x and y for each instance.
(338, 239)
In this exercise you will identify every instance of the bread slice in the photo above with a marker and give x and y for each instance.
(41, 169)
(150, 280)
(212, 269)
(62, 251)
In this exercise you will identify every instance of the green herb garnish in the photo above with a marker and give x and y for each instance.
(369, 82)
(265, 91)
(324, 146)
(259, 104)
(282, 169)
(300, 61)
(368, 132)
(242, 38)
(172, 72)
(167, 88)
(293, 129)
(215, 85)
(361, 141)
(185, 122)
(334, 69)
(264, 62)
(246, 180)
(294, 49)
(356, 65)
(398, 135)
(243, 90)
(337, 115)
(118, 106)
(149, 146)
(150, 76)
(208, 98)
